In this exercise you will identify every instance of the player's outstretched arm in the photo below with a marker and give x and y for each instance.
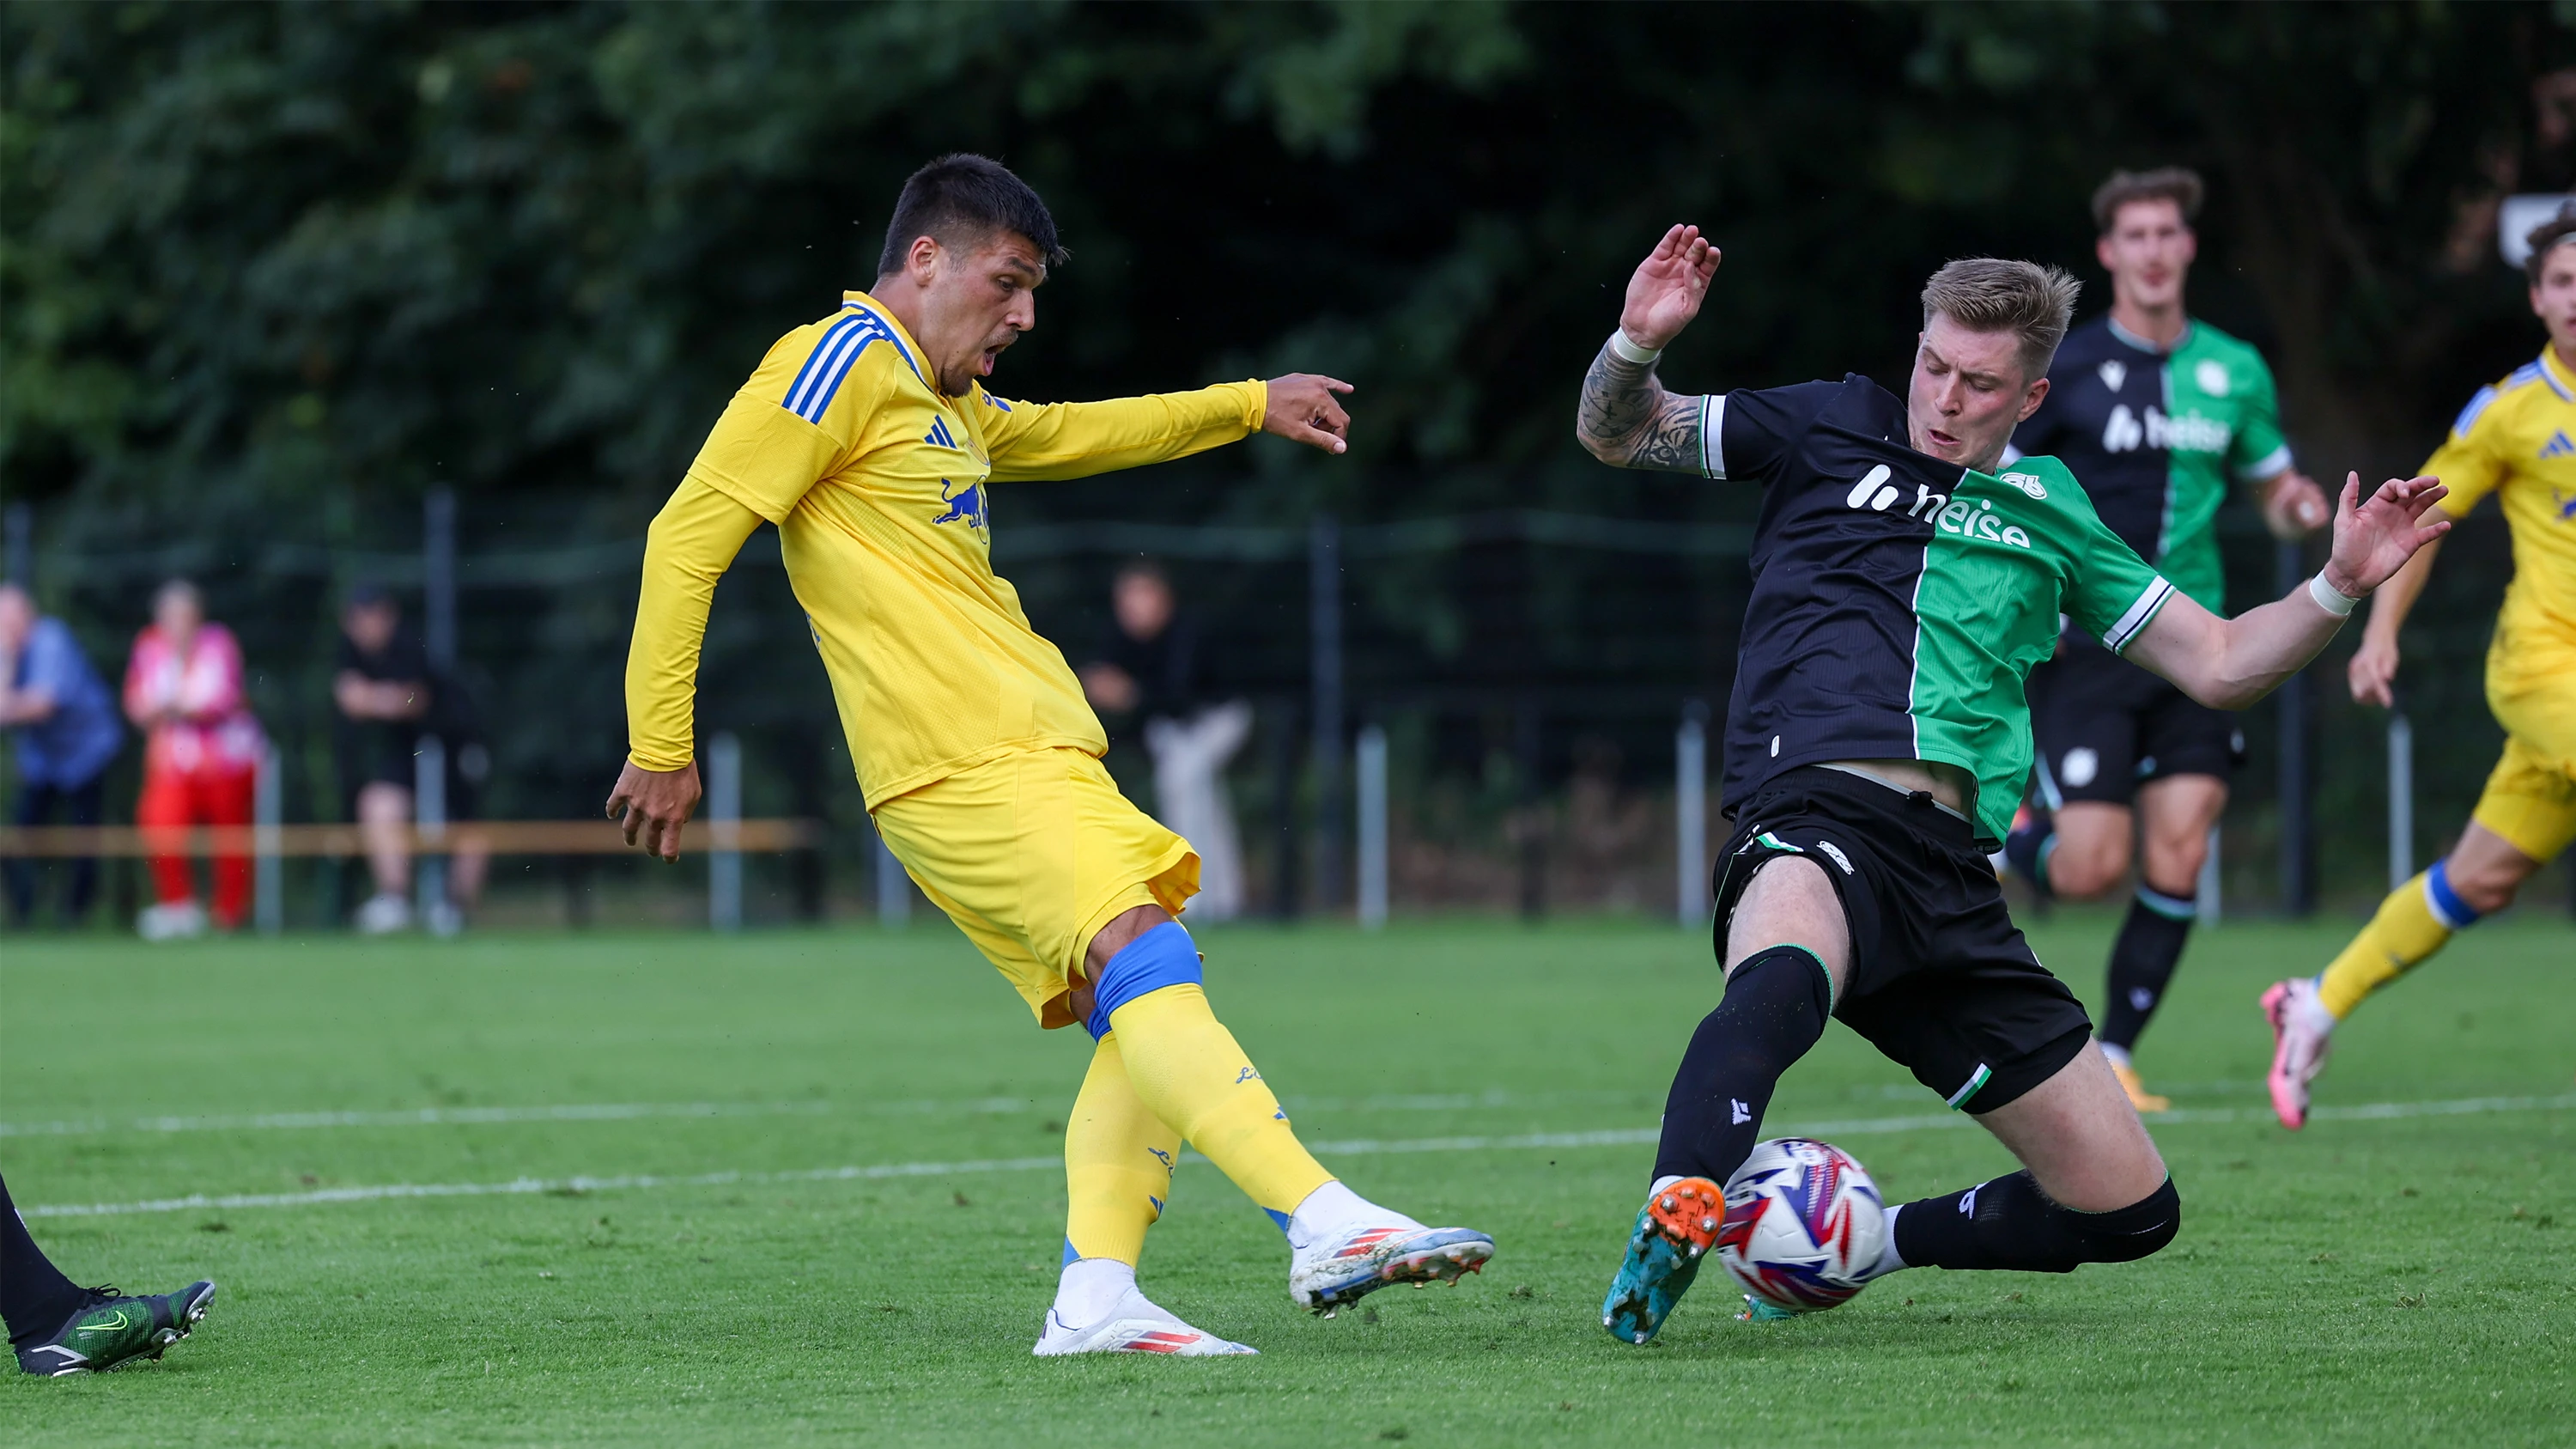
(691, 544)
(2231, 663)
(1626, 419)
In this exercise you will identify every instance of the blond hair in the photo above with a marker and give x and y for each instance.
(1990, 294)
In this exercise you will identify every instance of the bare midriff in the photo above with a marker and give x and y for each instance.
(1945, 783)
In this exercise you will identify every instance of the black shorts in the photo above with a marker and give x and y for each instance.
(1941, 980)
(2105, 726)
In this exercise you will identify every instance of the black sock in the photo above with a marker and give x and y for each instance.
(1773, 1011)
(2143, 960)
(2010, 1223)
(2026, 848)
(35, 1297)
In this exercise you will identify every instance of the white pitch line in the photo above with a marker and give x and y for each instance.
(629, 1111)
(1366, 1147)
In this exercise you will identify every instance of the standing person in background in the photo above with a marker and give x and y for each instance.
(64, 722)
(1149, 666)
(389, 697)
(183, 689)
(2158, 412)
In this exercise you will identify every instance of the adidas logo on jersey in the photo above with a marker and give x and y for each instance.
(939, 436)
(2557, 446)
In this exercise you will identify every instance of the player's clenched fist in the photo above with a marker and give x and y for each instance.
(1666, 291)
(1304, 408)
(652, 805)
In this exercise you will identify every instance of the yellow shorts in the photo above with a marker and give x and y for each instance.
(1031, 855)
(2530, 800)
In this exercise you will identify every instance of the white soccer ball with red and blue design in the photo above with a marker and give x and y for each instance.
(1803, 1222)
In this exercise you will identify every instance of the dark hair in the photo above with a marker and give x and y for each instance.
(962, 198)
(2545, 239)
(2177, 184)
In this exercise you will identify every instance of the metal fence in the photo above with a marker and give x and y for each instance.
(1499, 711)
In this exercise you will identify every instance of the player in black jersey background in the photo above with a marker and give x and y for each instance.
(2159, 414)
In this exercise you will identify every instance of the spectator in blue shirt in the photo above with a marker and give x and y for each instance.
(63, 720)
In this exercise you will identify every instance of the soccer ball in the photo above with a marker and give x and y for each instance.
(1803, 1221)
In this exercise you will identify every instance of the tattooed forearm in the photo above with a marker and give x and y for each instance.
(1627, 420)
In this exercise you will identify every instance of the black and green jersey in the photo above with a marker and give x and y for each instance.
(1900, 601)
(2157, 435)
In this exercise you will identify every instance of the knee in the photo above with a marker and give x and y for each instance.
(2484, 886)
(2174, 862)
(2084, 867)
(2140, 1230)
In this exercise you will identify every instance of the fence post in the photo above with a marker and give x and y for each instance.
(2298, 730)
(1690, 815)
(429, 817)
(269, 905)
(894, 888)
(1372, 805)
(1324, 584)
(2401, 799)
(2206, 893)
(724, 822)
(438, 577)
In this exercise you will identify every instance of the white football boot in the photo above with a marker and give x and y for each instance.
(1348, 1264)
(1134, 1324)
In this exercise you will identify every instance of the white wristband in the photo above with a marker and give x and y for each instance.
(1642, 356)
(2329, 598)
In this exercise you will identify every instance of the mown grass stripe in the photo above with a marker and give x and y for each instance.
(1614, 1137)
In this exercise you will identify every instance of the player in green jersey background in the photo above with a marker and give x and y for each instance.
(2161, 415)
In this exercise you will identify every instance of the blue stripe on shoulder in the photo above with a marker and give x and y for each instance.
(2469, 415)
(841, 345)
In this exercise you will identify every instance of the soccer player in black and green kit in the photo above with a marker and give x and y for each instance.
(1905, 582)
(2159, 413)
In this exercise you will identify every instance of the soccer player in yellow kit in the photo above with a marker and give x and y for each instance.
(2517, 440)
(867, 437)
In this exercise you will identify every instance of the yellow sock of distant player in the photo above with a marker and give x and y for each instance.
(2404, 932)
(1189, 1070)
(1117, 1163)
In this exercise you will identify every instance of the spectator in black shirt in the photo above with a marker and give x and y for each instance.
(389, 698)
(1150, 668)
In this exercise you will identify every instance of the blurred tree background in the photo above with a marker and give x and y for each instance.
(268, 273)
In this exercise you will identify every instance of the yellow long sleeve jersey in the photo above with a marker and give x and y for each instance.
(881, 490)
(2518, 439)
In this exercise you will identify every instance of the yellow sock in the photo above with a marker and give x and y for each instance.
(1117, 1163)
(1189, 1071)
(2405, 931)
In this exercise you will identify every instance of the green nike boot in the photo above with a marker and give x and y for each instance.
(113, 1329)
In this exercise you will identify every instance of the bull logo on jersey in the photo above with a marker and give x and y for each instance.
(964, 506)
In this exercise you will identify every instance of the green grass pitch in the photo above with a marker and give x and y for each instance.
(2400, 1277)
